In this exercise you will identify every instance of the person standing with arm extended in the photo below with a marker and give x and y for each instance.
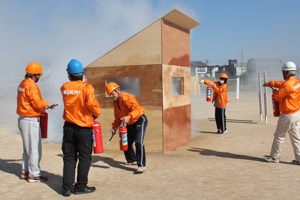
(30, 106)
(220, 98)
(127, 109)
(81, 108)
(288, 97)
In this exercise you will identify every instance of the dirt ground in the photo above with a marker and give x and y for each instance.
(210, 166)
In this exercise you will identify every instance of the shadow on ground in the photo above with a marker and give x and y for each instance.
(236, 121)
(209, 152)
(109, 161)
(15, 166)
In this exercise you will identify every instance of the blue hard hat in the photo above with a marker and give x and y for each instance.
(74, 67)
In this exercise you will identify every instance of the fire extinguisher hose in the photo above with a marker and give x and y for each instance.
(53, 105)
(121, 125)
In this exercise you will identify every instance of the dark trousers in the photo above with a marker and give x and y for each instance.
(136, 133)
(77, 144)
(220, 119)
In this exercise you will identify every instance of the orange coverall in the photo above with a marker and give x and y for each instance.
(79, 102)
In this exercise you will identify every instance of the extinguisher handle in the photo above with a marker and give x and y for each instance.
(121, 125)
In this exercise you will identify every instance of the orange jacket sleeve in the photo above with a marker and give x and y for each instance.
(288, 96)
(36, 100)
(91, 103)
(276, 84)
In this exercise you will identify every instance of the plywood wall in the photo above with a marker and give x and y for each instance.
(176, 109)
(175, 45)
(150, 98)
(144, 48)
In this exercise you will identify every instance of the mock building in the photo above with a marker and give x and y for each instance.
(154, 66)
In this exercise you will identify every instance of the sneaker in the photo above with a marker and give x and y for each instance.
(219, 131)
(37, 179)
(141, 169)
(24, 175)
(271, 159)
(131, 163)
(223, 132)
(295, 162)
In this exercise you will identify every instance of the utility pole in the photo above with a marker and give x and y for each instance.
(242, 58)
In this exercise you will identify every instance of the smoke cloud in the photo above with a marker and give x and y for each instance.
(53, 33)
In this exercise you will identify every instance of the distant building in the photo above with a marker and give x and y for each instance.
(233, 69)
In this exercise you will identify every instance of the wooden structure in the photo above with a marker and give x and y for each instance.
(155, 55)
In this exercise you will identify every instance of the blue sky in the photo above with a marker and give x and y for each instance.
(59, 30)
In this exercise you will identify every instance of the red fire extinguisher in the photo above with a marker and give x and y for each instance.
(97, 138)
(123, 138)
(276, 111)
(208, 93)
(44, 124)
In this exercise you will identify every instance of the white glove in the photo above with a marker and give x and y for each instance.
(202, 81)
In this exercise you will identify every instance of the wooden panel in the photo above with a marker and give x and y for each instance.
(175, 45)
(150, 98)
(180, 19)
(176, 127)
(144, 48)
(150, 82)
(170, 101)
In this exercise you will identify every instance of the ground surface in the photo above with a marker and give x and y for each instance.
(210, 166)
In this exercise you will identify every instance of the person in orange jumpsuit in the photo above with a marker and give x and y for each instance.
(80, 109)
(128, 110)
(288, 96)
(30, 106)
(220, 98)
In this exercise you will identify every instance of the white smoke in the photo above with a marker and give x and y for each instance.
(54, 32)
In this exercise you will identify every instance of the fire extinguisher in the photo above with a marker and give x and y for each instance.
(208, 93)
(123, 138)
(44, 124)
(276, 111)
(97, 138)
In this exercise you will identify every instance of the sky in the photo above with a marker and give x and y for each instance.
(59, 30)
(56, 31)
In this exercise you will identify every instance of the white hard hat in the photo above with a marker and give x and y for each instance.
(289, 66)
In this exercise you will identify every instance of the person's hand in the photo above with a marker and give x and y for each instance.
(112, 131)
(266, 84)
(51, 105)
(126, 119)
(202, 81)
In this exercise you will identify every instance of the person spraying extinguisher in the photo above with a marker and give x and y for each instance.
(220, 100)
(288, 96)
(30, 106)
(128, 110)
